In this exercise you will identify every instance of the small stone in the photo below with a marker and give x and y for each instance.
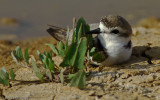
(124, 76)
(57, 60)
(109, 97)
(150, 78)
(156, 83)
(157, 90)
(26, 74)
(117, 75)
(91, 93)
(89, 85)
(100, 92)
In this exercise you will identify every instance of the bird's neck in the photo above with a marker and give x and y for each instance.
(108, 40)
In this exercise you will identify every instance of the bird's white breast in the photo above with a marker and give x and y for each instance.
(116, 51)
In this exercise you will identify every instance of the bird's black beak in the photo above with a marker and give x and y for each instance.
(96, 31)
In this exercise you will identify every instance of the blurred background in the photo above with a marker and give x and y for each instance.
(22, 19)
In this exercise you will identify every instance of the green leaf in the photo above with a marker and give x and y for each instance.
(70, 76)
(73, 37)
(4, 82)
(78, 35)
(4, 76)
(49, 54)
(80, 22)
(53, 48)
(46, 62)
(79, 79)
(60, 46)
(76, 55)
(99, 56)
(26, 55)
(61, 49)
(62, 53)
(67, 39)
(18, 53)
(85, 28)
(80, 57)
(40, 55)
(14, 58)
(46, 59)
(12, 74)
(61, 76)
(44, 53)
(70, 55)
(36, 70)
(92, 51)
(51, 65)
(81, 31)
(88, 56)
(89, 36)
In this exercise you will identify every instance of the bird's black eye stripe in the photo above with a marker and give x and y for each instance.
(115, 31)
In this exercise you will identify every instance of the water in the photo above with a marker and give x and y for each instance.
(33, 16)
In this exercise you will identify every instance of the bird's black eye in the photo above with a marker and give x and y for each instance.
(115, 31)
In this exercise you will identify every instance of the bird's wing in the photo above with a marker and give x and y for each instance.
(57, 32)
(60, 33)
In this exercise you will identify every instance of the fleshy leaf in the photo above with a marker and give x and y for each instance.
(78, 35)
(92, 51)
(36, 70)
(40, 55)
(4, 82)
(4, 76)
(79, 79)
(26, 55)
(61, 76)
(99, 56)
(67, 39)
(12, 74)
(70, 55)
(53, 48)
(89, 36)
(80, 56)
(14, 58)
(80, 22)
(61, 49)
(51, 65)
(70, 76)
(18, 53)
(60, 46)
(73, 37)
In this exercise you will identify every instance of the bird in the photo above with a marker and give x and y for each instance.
(113, 37)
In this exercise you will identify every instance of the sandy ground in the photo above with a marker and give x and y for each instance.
(137, 79)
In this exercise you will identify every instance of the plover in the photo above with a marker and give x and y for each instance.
(113, 38)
